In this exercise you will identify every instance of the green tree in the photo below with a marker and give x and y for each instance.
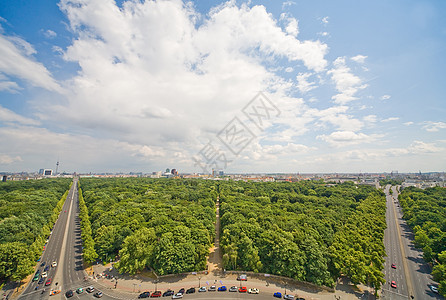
(137, 251)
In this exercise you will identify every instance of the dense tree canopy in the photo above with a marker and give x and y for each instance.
(307, 230)
(166, 225)
(28, 210)
(425, 212)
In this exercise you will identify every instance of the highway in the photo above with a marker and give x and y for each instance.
(412, 274)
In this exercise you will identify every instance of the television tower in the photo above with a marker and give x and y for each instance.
(57, 166)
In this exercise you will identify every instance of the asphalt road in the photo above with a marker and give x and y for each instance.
(52, 252)
(412, 274)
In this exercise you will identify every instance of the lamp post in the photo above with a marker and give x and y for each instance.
(199, 281)
(156, 284)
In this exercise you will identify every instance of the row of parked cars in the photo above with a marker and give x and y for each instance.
(90, 289)
(202, 289)
(286, 296)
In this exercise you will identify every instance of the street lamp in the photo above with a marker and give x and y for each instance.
(199, 283)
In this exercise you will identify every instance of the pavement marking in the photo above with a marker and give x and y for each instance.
(403, 252)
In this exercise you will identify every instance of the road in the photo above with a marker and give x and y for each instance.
(412, 274)
(54, 251)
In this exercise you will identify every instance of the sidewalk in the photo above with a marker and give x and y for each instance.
(134, 285)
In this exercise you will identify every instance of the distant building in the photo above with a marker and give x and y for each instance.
(47, 172)
(174, 172)
(4, 178)
(41, 171)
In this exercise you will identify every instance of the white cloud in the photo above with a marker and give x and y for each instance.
(433, 126)
(287, 3)
(347, 138)
(325, 20)
(359, 58)
(419, 147)
(323, 33)
(8, 116)
(9, 86)
(336, 116)
(7, 159)
(347, 83)
(49, 34)
(385, 97)
(289, 69)
(370, 119)
(303, 84)
(391, 119)
(15, 60)
(292, 25)
(408, 123)
(150, 74)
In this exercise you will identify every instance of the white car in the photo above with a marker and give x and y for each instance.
(177, 296)
(202, 289)
(434, 289)
(253, 291)
(44, 274)
(289, 297)
(233, 289)
(213, 288)
(54, 264)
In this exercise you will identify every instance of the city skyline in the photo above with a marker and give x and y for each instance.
(105, 86)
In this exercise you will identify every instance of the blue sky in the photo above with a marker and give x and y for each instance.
(108, 86)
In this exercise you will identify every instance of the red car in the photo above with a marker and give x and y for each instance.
(155, 294)
(393, 266)
(48, 282)
(242, 289)
(393, 284)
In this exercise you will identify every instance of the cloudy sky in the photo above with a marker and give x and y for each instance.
(244, 86)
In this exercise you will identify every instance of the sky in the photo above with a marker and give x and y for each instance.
(239, 86)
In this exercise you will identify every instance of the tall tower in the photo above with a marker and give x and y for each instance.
(57, 166)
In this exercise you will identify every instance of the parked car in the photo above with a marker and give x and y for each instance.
(168, 293)
(41, 280)
(90, 289)
(242, 277)
(202, 289)
(54, 264)
(212, 288)
(277, 295)
(48, 282)
(181, 291)
(156, 294)
(144, 295)
(242, 289)
(80, 290)
(190, 290)
(288, 297)
(233, 288)
(46, 268)
(222, 288)
(69, 294)
(36, 277)
(393, 284)
(42, 264)
(177, 296)
(253, 291)
(98, 294)
(433, 289)
(393, 266)
(44, 274)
